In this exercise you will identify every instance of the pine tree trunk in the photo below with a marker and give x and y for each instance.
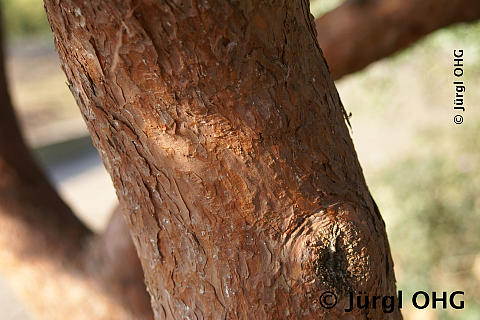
(225, 138)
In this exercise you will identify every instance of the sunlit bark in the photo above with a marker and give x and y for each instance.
(226, 141)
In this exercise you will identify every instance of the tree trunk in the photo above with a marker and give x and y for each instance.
(225, 138)
(360, 32)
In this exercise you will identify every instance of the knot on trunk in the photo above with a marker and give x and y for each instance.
(331, 250)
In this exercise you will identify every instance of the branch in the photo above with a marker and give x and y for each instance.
(41, 237)
(360, 32)
(113, 262)
(24, 184)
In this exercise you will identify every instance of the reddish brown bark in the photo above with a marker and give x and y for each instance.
(47, 253)
(360, 32)
(225, 138)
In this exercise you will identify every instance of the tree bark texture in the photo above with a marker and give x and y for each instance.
(225, 138)
(360, 32)
(57, 266)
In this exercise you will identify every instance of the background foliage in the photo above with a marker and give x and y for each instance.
(24, 17)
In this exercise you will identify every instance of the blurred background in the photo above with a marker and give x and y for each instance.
(422, 169)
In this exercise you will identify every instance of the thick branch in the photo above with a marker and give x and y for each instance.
(23, 184)
(42, 237)
(113, 262)
(360, 32)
